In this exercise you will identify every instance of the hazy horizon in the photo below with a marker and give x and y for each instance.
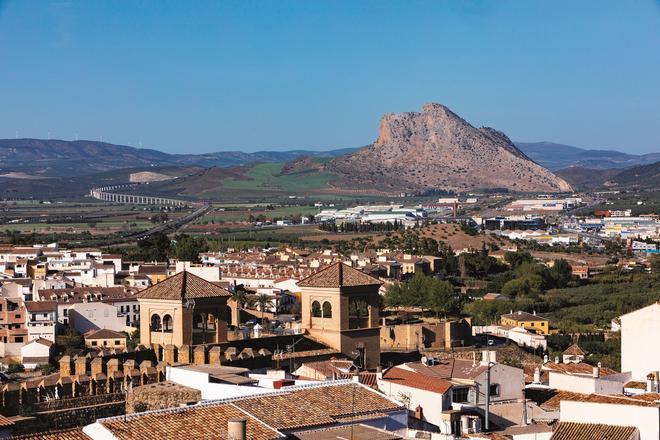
(215, 76)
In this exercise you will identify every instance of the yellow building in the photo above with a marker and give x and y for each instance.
(105, 338)
(528, 321)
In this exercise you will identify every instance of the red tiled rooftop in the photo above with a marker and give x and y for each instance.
(405, 377)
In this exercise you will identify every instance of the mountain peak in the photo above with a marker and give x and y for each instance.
(436, 148)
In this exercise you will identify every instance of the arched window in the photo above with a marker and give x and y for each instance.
(210, 322)
(316, 309)
(155, 323)
(168, 323)
(327, 310)
(358, 313)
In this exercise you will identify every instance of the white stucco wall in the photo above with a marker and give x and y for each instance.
(640, 344)
(646, 419)
(210, 391)
(432, 403)
(95, 315)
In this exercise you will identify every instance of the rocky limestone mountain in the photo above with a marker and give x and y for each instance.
(437, 149)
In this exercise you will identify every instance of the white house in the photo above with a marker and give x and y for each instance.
(96, 315)
(437, 385)
(36, 352)
(41, 319)
(640, 344)
(616, 411)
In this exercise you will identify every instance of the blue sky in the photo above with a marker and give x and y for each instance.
(206, 76)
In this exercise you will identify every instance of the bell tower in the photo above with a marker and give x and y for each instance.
(184, 309)
(340, 308)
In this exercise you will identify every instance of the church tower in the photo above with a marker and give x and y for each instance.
(340, 308)
(184, 309)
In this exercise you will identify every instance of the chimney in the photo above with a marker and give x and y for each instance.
(596, 372)
(545, 358)
(237, 429)
(474, 358)
(419, 413)
(649, 383)
(556, 359)
(534, 312)
(537, 375)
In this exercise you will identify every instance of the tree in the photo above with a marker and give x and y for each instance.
(187, 248)
(155, 247)
(239, 296)
(262, 301)
(561, 273)
(517, 287)
(46, 369)
(394, 295)
(72, 341)
(440, 296)
(655, 263)
(515, 259)
(15, 367)
(133, 339)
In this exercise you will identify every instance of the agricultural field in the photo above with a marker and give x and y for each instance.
(96, 218)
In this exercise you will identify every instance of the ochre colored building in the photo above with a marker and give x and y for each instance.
(184, 309)
(529, 321)
(340, 308)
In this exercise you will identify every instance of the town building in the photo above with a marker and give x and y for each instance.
(528, 321)
(105, 338)
(340, 308)
(291, 412)
(41, 319)
(183, 309)
(640, 344)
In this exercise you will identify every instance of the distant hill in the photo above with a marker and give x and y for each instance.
(57, 158)
(641, 176)
(437, 149)
(558, 156)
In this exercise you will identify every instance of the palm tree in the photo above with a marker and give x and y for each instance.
(240, 297)
(263, 300)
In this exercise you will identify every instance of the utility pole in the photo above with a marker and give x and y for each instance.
(487, 418)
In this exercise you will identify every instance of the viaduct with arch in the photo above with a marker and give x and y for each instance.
(110, 194)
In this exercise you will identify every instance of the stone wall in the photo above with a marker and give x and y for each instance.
(68, 418)
(159, 396)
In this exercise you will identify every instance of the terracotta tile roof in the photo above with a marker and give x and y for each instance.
(203, 422)
(182, 286)
(307, 407)
(331, 368)
(550, 399)
(104, 333)
(574, 350)
(592, 431)
(450, 369)
(405, 377)
(355, 432)
(575, 369)
(316, 406)
(42, 341)
(339, 275)
(635, 384)
(62, 434)
(40, 306)
(650, 399)
(523, 316)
